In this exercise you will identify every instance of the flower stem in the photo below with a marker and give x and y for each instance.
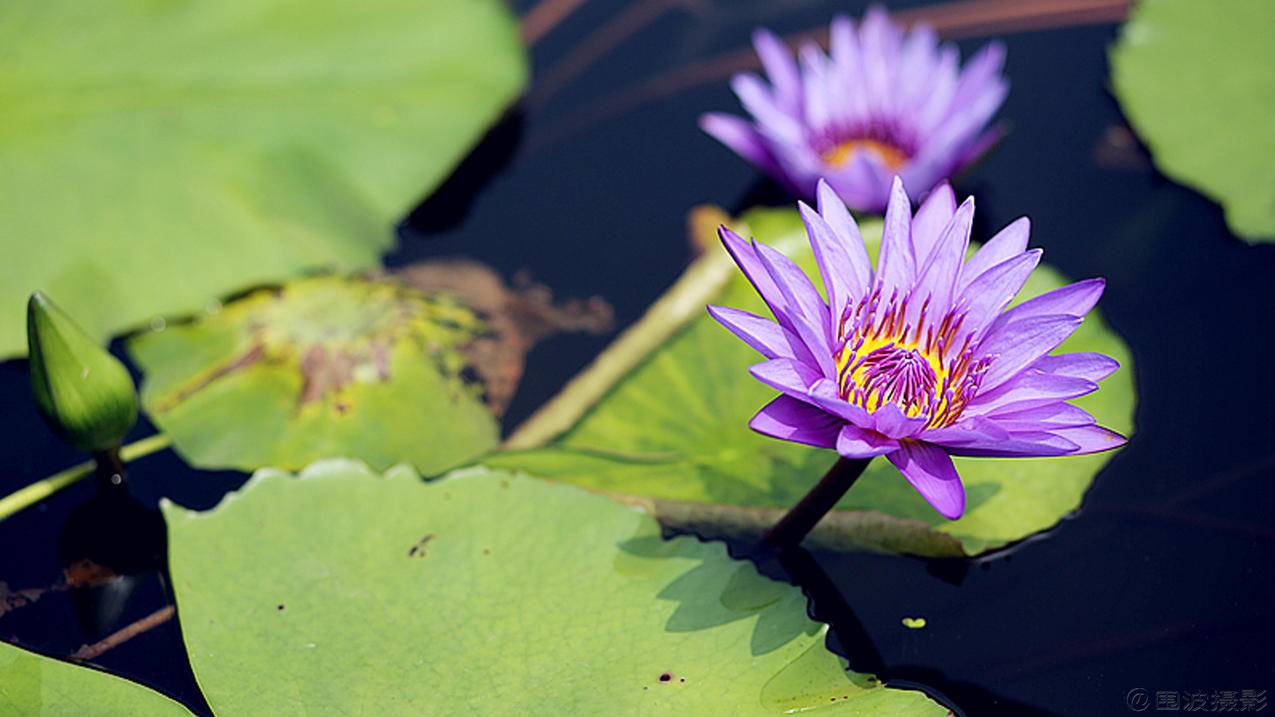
(798, 522)
(38, 491)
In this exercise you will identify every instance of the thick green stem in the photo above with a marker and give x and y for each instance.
(38, 491)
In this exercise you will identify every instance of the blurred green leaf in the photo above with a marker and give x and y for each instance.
(343, 592)
(1195, 80)
(320, 367)
(675, 432)
(163, 154)
(32, 685)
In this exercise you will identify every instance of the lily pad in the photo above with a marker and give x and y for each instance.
(1195, 80)
(343, 592)
(32, 685)
(673, 435)
(320, 367)
(164, 154)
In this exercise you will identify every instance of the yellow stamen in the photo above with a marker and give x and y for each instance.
(893, 157)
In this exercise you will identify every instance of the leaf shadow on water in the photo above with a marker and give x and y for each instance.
(708, 597)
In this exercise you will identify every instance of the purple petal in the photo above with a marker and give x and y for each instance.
(1074, 300)
(765, 336)
(1090, 366)
(1019, 444)
(786, 376)
(938, 277)
(1092, 439)
(931, 219)
(824, 394)
(862, 182)
(835, 265)
(1007, 244)
(1013, 347)
(896, 267)
(855, 442)
(781, 69)
(834, 212)
(988, 294)
(810, 317)
(771, 118)
(1029, 389)
(792, 420)
(746, 257)
(930, 470)
(738, 134)
(890, 420)
(1048, 417)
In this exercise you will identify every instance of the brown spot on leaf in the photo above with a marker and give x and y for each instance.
(666, 677)
(518, 316)
(418, 550)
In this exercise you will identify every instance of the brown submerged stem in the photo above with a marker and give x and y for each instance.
(108, 468)
(793, 527)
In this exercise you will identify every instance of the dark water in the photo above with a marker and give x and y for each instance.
(1162, 582)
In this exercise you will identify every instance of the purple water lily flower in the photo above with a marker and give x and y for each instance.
(918, 360)
(882, 103)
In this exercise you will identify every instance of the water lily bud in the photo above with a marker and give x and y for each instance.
(85, 393)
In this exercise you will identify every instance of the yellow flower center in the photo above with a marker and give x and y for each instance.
(926, 369)
(893, 157)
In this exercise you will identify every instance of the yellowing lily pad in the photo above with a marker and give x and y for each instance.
(342, 592)
(158, 155)
(672, 435)
(320, 367)
(1195, 80)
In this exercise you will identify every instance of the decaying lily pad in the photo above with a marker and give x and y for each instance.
(370, 368)
(671, 433)
(486, 593)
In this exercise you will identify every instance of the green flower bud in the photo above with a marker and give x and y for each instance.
(85, 393)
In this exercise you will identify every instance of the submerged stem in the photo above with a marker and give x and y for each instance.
(801, 519)
(41, 489)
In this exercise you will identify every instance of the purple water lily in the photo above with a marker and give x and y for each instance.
(918, 360)
(882, 103)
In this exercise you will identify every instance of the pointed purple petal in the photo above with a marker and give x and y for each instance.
(781, 69)
(786, 376)
(739, 134)
(938, 278)
(1090, 366)
(792, 420)
(930, 470)
(1048, 417)
(1092, 439)
(810, 315)
(746, 257)
(843, 226)
(854, 442)
(824, 395)
(1013, 347)
(1007, 244)
(983, 300)
(896, 267)
(931, 219)
(1019, 444)
(1029, 389)
(765, 336)
(831, 257)
(1074, 299)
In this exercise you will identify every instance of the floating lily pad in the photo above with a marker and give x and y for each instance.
(343, 592)
(32, 685)
(320, 367)
(673, 435)
(1195, 80)
(163, 154)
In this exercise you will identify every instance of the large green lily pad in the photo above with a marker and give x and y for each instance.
(342, 592)
(32, 685)
(1195, 80)
(160, 154)
(320, 367)
(673, 435)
